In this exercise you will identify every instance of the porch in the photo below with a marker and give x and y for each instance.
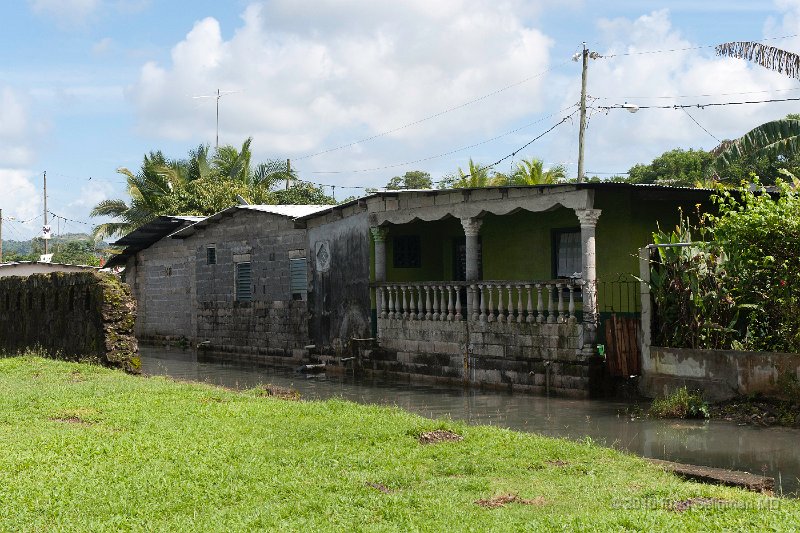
(518, 328)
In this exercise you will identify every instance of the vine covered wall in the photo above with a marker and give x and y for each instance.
(83, 316)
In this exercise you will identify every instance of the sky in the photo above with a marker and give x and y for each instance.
(355, 92)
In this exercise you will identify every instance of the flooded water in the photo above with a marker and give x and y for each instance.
(768, 451)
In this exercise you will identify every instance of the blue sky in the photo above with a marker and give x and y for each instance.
(88, 86)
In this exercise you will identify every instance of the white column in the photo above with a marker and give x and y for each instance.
(379, 236)
(472, 228)
(588, 220)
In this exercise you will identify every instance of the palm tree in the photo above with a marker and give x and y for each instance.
(776, 59)
(773, 139)
(476, 176)
(531, 172)
(151, 191)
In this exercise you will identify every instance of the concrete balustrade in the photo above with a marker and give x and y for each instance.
(551, 302)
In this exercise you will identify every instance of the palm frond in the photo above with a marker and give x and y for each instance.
(776, 59)
(109, 208)
(771, 139)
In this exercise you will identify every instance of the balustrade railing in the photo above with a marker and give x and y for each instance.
(481, 301)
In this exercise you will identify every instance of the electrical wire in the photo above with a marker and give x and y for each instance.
(700, 47)
(676, 97)
(451, 152)
(701, 106)
(700, 125)
(435, 115)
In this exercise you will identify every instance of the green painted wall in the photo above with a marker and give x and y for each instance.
(519, 246)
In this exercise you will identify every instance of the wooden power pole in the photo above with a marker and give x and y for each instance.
(582, 131)
(44, 177)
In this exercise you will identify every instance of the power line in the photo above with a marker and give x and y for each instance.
(700, 47)
(435, 115)
(700, 125)
(518, 150)
(692, 95)
(70, 219)
(699, 106)
(437, 156)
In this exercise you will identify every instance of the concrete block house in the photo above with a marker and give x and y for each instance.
(497, 286)
(250, 279)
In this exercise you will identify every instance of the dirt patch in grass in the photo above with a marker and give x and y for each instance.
(504, 499)
(558, 463)
(71, 420)
(684, 505)
(439, 435)
(276, 391)
(380, 487)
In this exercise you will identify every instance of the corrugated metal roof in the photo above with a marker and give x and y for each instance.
(12, 264)
(146, 235)
(289, 211)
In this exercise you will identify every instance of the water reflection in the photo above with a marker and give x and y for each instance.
(769, 451)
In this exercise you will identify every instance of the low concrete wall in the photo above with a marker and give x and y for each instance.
(75, 316)
(719, 374)
(495, 355)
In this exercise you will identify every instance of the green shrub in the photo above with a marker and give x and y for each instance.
(680, 404)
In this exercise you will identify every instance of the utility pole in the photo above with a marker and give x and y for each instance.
(288, 172)
(582, 131)
(44, 177)
(1, 235)
(585, 55)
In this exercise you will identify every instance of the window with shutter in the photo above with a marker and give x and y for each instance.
(244, 282)
(298, 278)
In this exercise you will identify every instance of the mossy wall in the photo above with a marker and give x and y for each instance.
(83, 316)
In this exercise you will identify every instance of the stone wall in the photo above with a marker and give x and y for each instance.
(76, 316)
(161, 278)
(506, 355)
(339, 296)
(275, 321)
(718, 374)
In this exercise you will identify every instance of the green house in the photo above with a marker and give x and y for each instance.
(505, 286)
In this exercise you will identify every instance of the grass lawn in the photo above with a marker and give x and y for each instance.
(87, 448)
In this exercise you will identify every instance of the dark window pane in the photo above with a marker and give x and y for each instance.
(568, 254)
(407, 251)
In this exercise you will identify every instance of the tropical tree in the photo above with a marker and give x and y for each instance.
(476, 175)
(765, 151)
(413, 179)
(674, 167)
(532, 172)
(773, 141)
(201, 186)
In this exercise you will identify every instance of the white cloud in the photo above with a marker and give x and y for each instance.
(17, 130)
(21, 202)
(66, 12)
(309, 75)
(618, 139)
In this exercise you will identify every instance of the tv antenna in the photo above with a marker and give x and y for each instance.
(218, 95)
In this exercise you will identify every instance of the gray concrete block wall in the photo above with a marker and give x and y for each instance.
(531, 357)
(161, 279)
(272, 323)
(339, 295)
